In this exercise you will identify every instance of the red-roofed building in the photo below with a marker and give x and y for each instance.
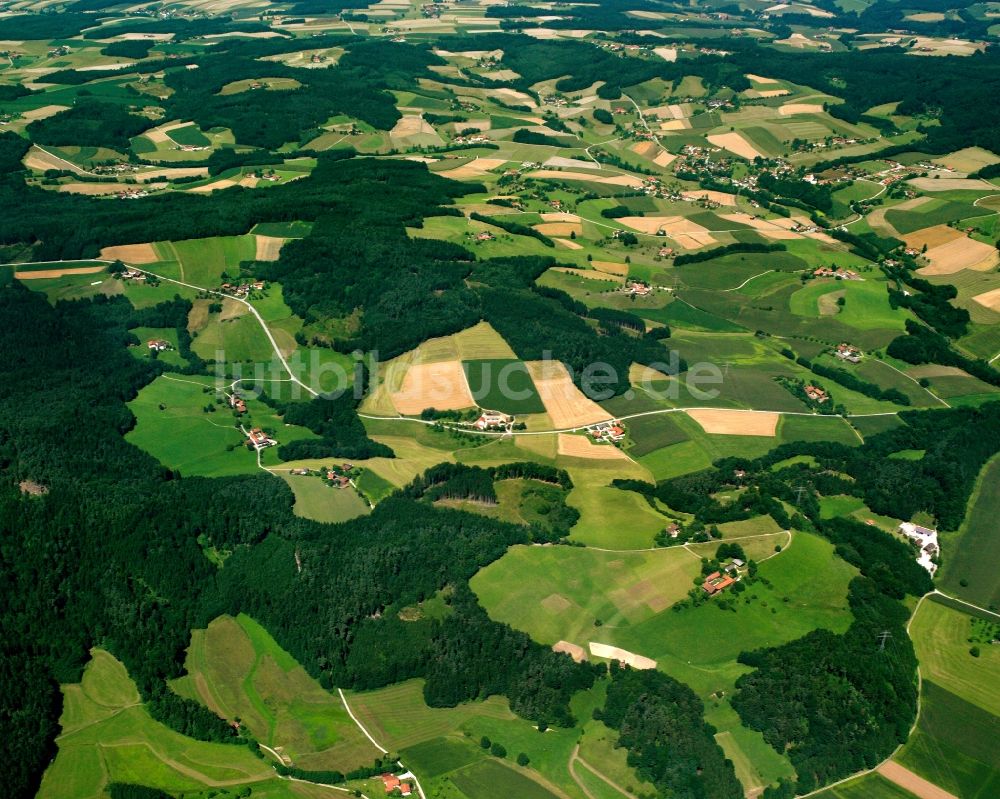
(391, 782)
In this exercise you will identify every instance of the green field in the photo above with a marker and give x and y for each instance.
(189, 135)
(935, 212)
(491, 778)
(954, 745)
(700, 645)
(866, 303)
(314, 499)
(202, 261)
(236, 669)
(653, 432)
(971, 554)
(172, 425)
(562, 593)
(503, 385)
(941, 637)
(107, 736)
(871, 786)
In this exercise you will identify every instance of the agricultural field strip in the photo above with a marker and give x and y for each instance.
(687, 547)
(377, 745)
(620, 418)
(574, 758)
(916, 718)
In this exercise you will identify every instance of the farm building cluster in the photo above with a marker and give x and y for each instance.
(927, 540)
(393, 783)
(237, 403)
(816, 394)
(611, 431)
(848, 352)
(493, 420)
(836, 272)
(719, 581)
(242, 290)
(257, 439)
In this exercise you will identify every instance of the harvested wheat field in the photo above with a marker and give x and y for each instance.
(575, 446)
(672, 111)
(989, 299)
(96, 189)
(759, 79)
(559, 216)
(950, 184)
(215, 185)
(664, 159)
(647, 149)
(41, 274)
(721, 421)
(174, 172)
(642, 376)
(736, 144)
(589, 274)
(474, 169)
(564, 402)
(968, 160)
(616, 180)
(433, 385)
(788, 109)
(578, 653)
(774, 93)
(720, 197)
(559, 228)
(763, 226)
(410, 127)
(963, 253)
(568, 244)
(131, 254)
(666, 53)
(42, 160)
(932, 236)
(44, 112)
(621, 655)
(913, 783)
(611, 268)
(569, 163)
(675, 124)
(481, 342)
(513, 97)
(268, 247)
(689, 235)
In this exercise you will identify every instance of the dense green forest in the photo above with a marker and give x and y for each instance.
(661, 724)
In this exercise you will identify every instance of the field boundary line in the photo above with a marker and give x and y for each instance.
(603, 777)
(936, 592)
(361, 726)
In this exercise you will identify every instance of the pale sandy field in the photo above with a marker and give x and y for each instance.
(575, 446)
(623, 655)
(433, 385)
(736, 423)
(564, 402)
(735, 143)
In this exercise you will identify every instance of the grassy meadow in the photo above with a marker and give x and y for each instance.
(237, 670)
